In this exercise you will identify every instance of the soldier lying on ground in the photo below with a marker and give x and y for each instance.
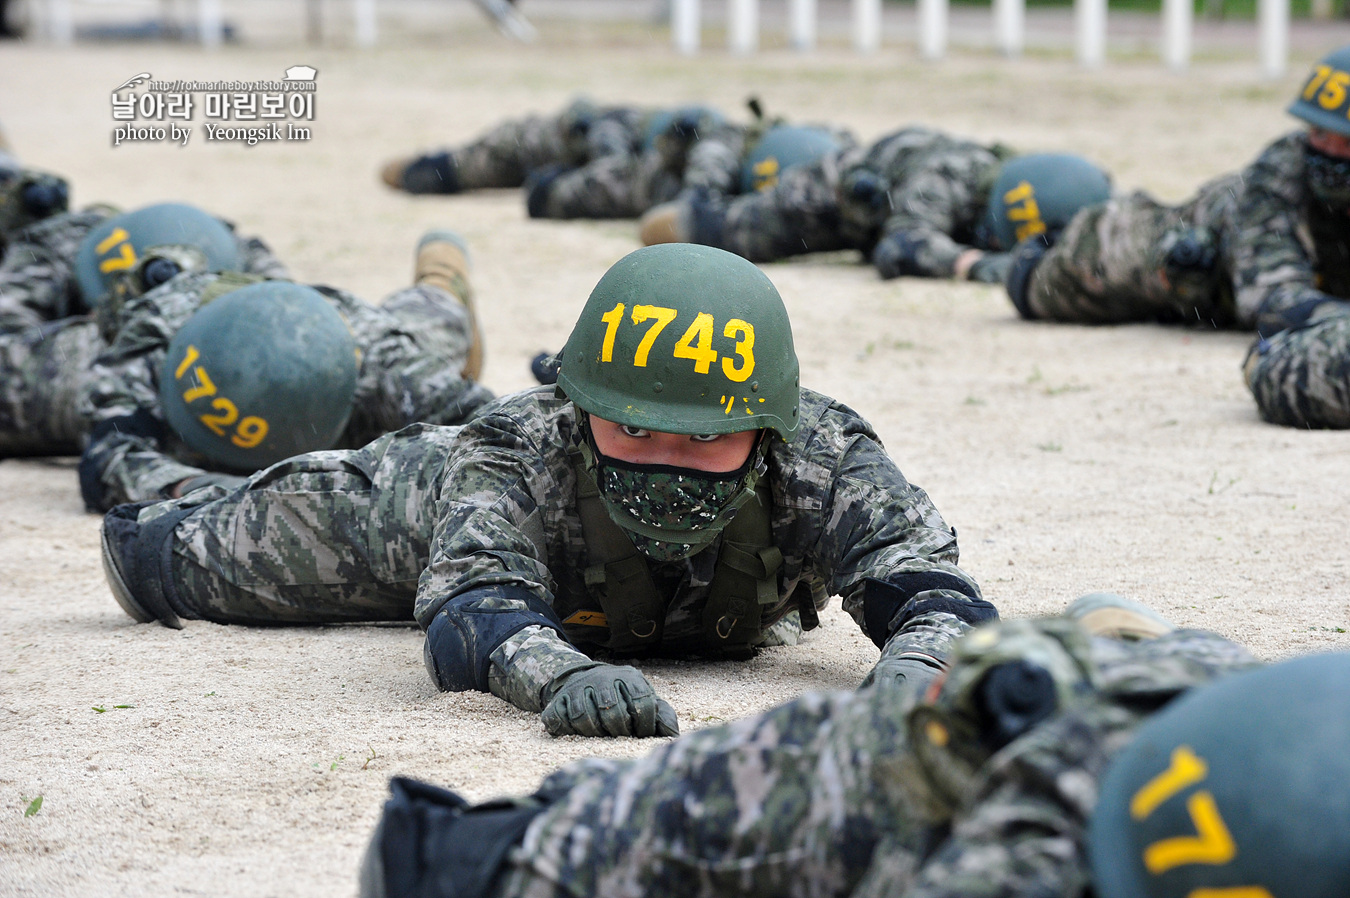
(505, 156)
(211, 375)
(916, 202)
(678, 493)
(1044, 761)
(1266, 248)
(53, 275)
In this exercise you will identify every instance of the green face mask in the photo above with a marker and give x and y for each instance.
(671, 513)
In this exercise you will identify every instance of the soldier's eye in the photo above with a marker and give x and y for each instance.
(704, 437)
(629, 431)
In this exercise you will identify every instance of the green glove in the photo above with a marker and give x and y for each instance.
(991, 268)
(607, 700)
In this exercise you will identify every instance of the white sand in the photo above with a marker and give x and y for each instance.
(254, 762)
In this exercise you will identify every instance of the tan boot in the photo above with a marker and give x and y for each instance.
(392, 173)
(443, 261)
(662, 224)
(1107, 614)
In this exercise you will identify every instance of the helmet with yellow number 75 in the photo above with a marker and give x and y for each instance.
(686, 339)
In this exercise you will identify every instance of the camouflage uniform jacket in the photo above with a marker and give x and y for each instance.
(37, 282)
(1290, 253)
(509, 535)
(938, 189)
(825, 796)
(409, 373)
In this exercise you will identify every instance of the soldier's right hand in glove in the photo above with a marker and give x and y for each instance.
(607, 700)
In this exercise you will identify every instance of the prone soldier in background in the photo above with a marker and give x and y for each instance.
(506, 155)
(678, 493)
(53, 275)
(211, 375)
(916, 202)
(1265, 248)
(1045, 760)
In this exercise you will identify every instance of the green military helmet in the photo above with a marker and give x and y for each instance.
(782, 147)
(1324, 99)
(259, 374)
(1003, 679)
(1040, 193)
(1240, 789)
(684, 338)
(685, 122)
(118, 242)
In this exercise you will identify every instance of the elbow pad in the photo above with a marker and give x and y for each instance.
(891, 603)
(468, 629)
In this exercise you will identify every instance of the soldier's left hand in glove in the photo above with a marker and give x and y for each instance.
(990, 268)
(606, 700)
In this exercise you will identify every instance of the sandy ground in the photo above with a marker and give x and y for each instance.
(230, 761)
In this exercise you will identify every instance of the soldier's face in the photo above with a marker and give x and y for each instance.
(714, 453)
(1329, 142)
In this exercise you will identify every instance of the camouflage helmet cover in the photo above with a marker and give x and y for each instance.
(117, 243)
(682, 338)
(260, 373)
(1241, 787)
(1324, 99)
(1041, 192)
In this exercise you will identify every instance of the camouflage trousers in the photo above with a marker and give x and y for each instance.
(793, 802)
(616, 186)
(505, 156)
(44, 370)
(327, 537)
(800, 214)
(1110, 265)
(1301, 377)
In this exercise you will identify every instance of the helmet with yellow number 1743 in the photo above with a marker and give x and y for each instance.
(687, 339)
(260, 373)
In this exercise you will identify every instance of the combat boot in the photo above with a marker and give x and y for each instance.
(443, 261)
(666, 223)
(432, 173)
(1107, 614)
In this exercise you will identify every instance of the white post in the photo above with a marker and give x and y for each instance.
(210, 23)
(60, 25)
(1010, 26)
(365, 23)
(1274, 26)
(802, 24)
(866, 25)
(1177, 21)
(743, 26)
(932, 28)
(684, 26)
(1090, 19)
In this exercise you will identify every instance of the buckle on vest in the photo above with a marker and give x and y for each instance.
(725, 624)
(650, 628)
